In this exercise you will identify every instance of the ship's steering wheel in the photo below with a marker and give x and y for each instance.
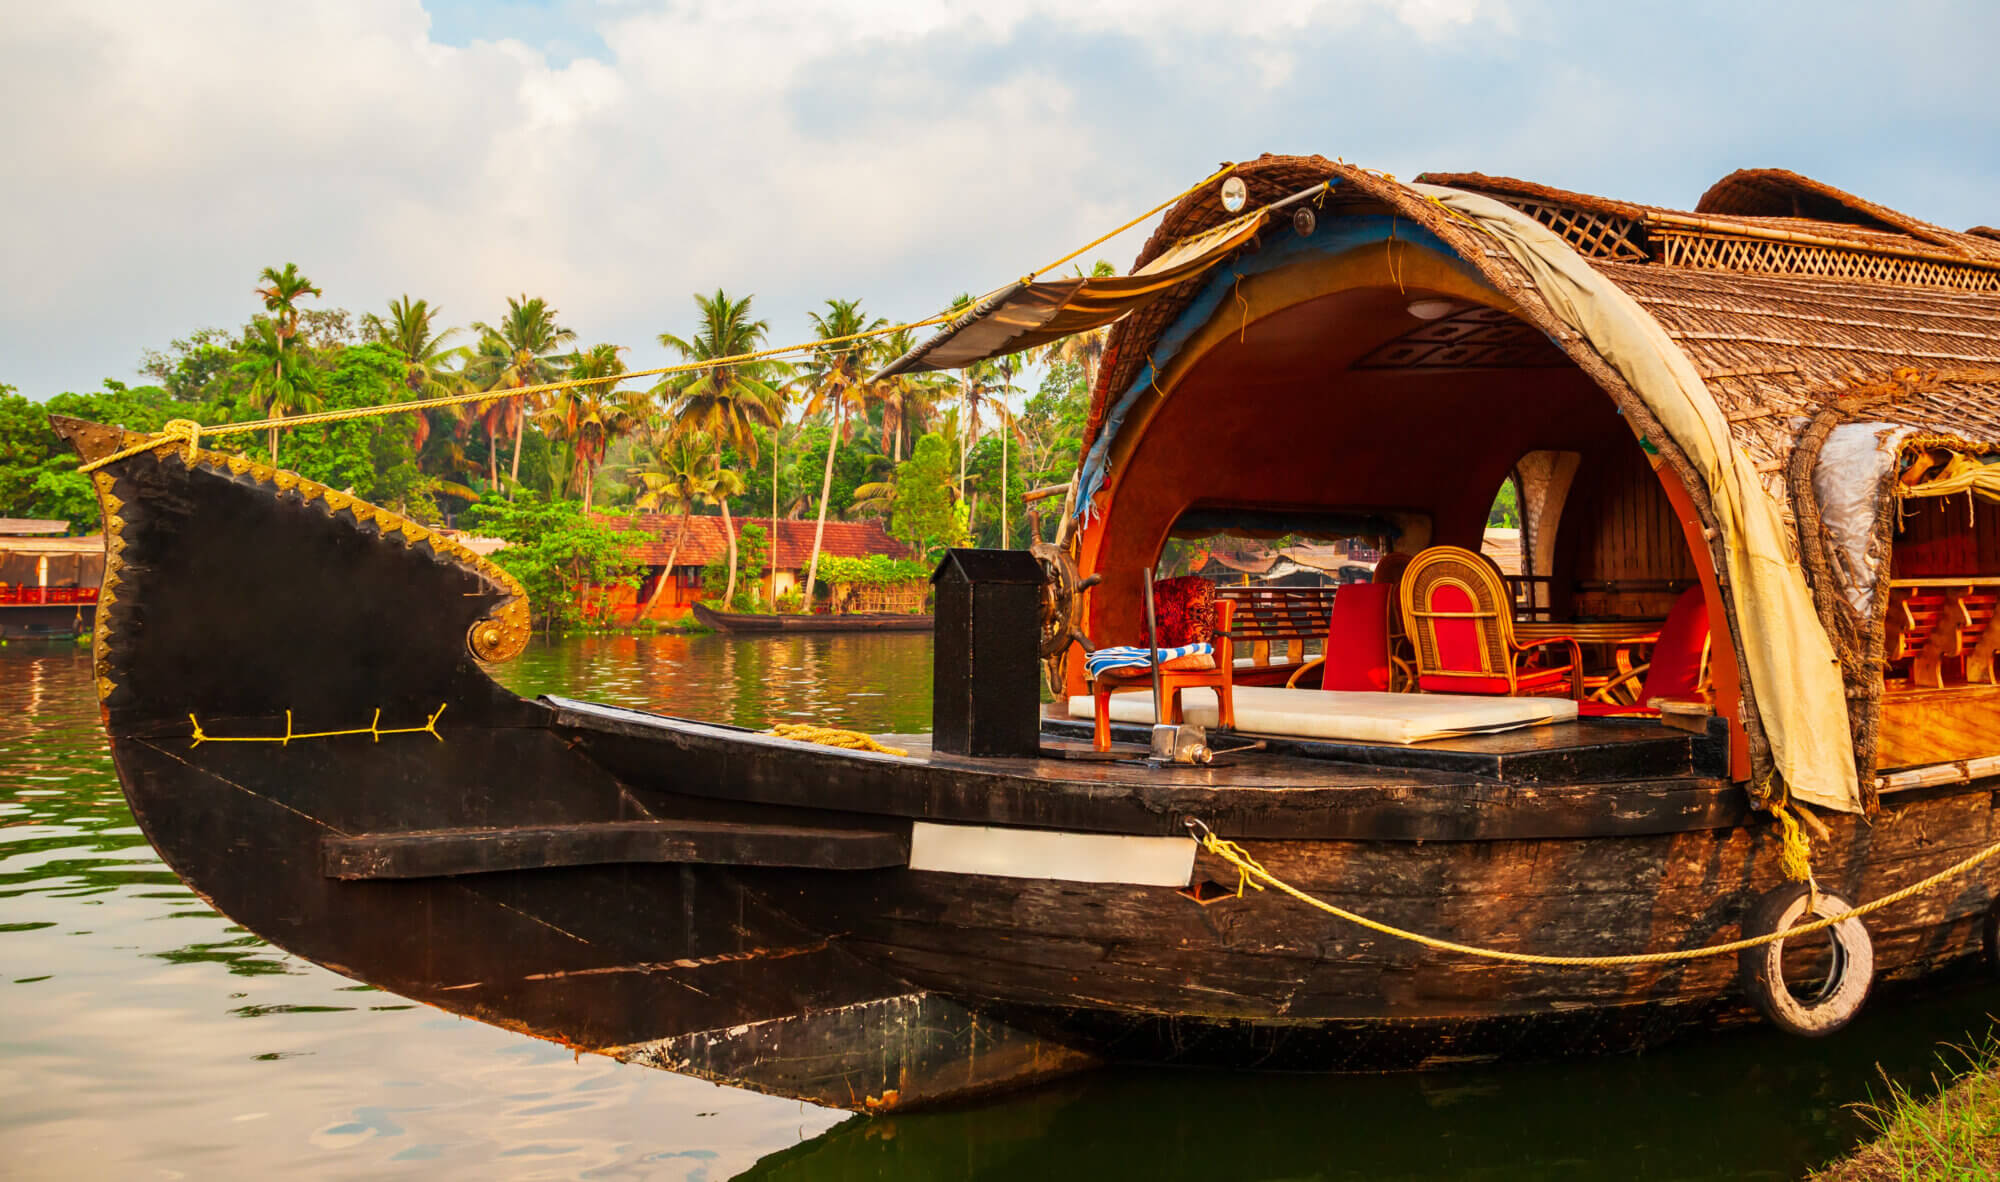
(1062, 605)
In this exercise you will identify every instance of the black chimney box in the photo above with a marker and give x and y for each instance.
(985, 684)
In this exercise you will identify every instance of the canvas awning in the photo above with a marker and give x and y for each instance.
(1025, 315)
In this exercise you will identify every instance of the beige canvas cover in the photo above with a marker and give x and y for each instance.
(1026, 315)
(1795, 677)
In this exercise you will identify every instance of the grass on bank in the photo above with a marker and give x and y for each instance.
(1954, 1136)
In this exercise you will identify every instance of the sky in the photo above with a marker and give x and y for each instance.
(616, 156)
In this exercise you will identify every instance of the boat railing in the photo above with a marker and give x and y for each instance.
(38, 596)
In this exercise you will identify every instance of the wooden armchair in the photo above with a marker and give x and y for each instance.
(1461, 625)
(1189, 613)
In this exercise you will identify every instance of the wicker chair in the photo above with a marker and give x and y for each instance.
(1461, 624)
(1402, 659)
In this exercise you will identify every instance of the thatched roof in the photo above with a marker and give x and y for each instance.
(1787, 294)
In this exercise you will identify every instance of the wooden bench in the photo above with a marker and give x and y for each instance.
(1951, 618)
(1287, 617)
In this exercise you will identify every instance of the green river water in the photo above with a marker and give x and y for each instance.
(144, 1036)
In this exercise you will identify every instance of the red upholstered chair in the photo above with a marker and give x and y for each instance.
(1186, 611)
(1357, 641)
(1461, 624)
(1678, 670)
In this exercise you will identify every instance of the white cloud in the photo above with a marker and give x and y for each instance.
(898, 150)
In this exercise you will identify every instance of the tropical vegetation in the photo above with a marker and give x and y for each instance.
(561, 469)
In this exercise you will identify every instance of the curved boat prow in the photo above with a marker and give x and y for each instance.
(294, 686)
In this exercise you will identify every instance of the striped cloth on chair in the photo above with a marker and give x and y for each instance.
(1131, 656)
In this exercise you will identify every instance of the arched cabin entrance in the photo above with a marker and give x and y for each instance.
(1315, 394)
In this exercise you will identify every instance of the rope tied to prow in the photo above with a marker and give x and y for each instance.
(183, 431)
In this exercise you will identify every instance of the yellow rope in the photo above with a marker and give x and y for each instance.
(177, 430)
(1795, 852)
(826, 736)
(374, 728)
(1101, 239)
(363, 412)
(190, 433)
(1251, 872)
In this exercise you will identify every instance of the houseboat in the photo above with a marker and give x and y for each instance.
(48, 580)
(1744, 676)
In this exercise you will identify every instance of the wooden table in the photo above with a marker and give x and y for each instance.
(1597, 632)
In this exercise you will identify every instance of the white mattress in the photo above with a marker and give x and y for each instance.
(1355, 717)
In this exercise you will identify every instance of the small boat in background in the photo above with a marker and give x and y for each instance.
(708, 617)
(48, 581)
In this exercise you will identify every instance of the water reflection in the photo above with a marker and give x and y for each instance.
(879, 683)
(144, 1034)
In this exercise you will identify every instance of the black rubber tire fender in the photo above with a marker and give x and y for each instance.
(1760, 970)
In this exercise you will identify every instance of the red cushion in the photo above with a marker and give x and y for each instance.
(1676, 669)
(1458, 640)
(1184, 610)
(1484, 684)
(1357, 639)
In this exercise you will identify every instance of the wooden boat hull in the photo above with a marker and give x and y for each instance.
(739, 907)
(46, 621)
(804, 622)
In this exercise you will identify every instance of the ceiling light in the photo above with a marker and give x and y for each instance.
(1431, 309)
(1304, 221)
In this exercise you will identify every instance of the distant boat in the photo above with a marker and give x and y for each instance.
(48, 582)
(805, 622)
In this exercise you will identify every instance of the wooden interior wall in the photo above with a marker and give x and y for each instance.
(1947, 536)
(1620, 551)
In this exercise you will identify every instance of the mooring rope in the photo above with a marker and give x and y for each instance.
(188, 432)
(827, 736)
(1251, 873)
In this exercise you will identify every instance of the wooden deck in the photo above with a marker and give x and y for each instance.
(1572, 780)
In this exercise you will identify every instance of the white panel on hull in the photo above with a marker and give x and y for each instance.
(1047, 853)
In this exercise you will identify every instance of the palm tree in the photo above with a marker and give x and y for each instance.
(837, 375)
(281, 292)
(1008, 366)
(281, 377)
(591, 416)
(426, 373)
(724, 401)
(876, 498)
(484, 370)
(975, 386)
(529, 336)
(905, 397)
(682, 472)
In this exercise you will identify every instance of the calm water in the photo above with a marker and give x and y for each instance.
(142, 1035)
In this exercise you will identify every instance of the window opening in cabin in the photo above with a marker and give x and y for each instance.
(1282, 570)
(1508, 544)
